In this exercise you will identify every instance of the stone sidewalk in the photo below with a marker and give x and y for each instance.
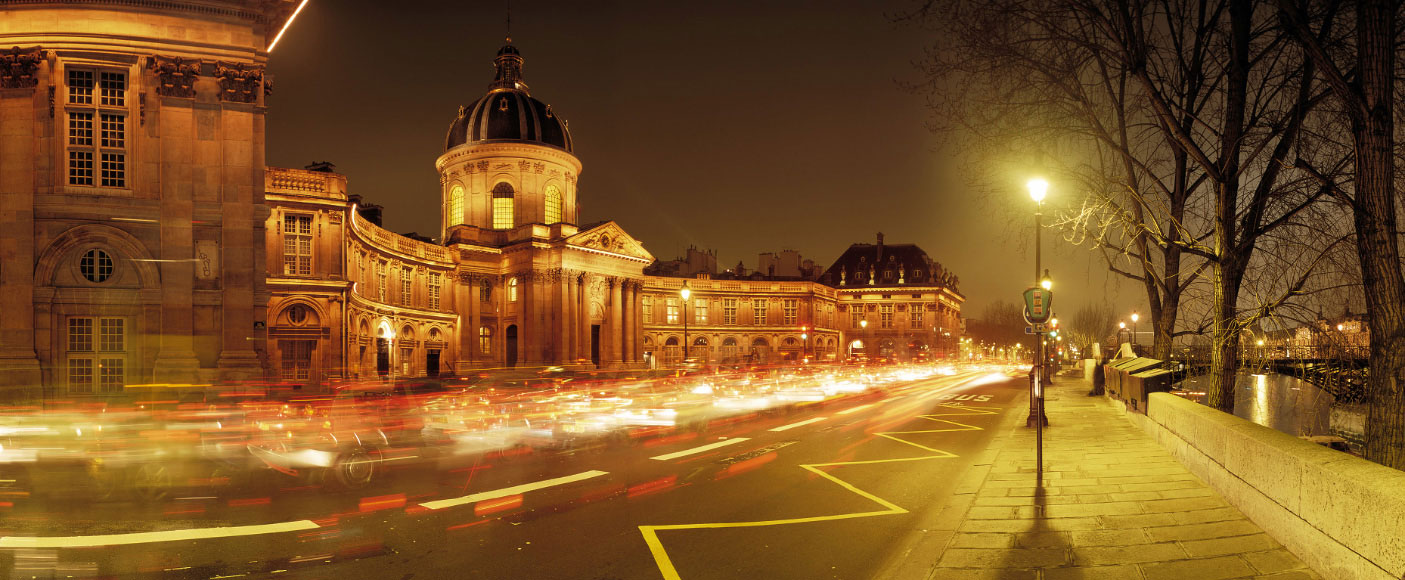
(1114, 505)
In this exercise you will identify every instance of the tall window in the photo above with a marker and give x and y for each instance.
(97, 128)
(915, 315)
(96, 354)
(485, 291)
(485, 340)
(297, 358)
(729, 311)
(671, 311)
(758, 311)
(406, 291)
(789, 311)
(380, 281)
(456, 205)
(553, 204)
(885, 315)
(700, 310)
(502, 206)
(434, 291)
(648, 307)
(855, 315)
(297, 245)
(512, 290)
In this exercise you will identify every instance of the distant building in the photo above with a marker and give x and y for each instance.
(695, 262)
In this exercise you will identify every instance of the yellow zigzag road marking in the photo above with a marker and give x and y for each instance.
(651, 536)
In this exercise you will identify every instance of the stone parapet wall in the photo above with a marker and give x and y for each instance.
(1342, 515)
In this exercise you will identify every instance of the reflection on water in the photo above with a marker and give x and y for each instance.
(1276, 401)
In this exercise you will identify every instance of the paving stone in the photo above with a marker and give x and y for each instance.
(1272, 561)
(1206, 569)
(1290, 575)
(1206, 516)
(1182, 505)
(1042, 540)
(1187, 492)
(1202, 531)
(1110, 537)
(1160, 486)
(1233, 545)
(990, 513)
(1137, 495)
(969, 574)
(1141, 521)
(1127, 554)
(1006, 558)
(1093, 573)
(982, 540)
(1021, 526)
(1092, 509)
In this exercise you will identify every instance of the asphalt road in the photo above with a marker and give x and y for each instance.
(825, 491)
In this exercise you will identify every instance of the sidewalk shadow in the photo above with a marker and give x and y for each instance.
(1038, 547)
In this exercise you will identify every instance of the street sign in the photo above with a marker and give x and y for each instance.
(1039, 328)
(1038, 305)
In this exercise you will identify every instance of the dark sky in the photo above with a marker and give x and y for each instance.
(737, 126)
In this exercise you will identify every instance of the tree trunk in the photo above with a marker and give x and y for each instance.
(1224, 349)
(1376, 235)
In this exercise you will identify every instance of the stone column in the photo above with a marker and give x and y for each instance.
(240, 207)
(176, 361)
(583, 309)
(527, 313)
(564, 317)
(20, 110)
(638, 322)
(616, 322)
(630, 315)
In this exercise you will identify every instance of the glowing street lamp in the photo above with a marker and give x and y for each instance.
(1134, 329)
(1038, 189)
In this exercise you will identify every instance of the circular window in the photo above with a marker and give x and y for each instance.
(96, 265)
(297, 314)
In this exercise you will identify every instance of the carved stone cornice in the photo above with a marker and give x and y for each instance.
(19, 67)
(175, 76)
(239, 83)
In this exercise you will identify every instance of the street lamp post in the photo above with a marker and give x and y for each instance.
(1037, 190)
(863, 332)
(685, 293)
(1134, 331)
(804, 343)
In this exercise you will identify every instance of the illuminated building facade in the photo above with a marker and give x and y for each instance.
(131, 182)
(911, 303)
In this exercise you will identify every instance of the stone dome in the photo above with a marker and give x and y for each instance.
(508, 112)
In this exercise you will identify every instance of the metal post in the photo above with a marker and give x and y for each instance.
(686, 342)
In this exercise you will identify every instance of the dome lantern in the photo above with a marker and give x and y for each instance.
(508, 113)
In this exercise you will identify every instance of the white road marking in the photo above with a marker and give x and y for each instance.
(514, 490)
(800, 424)
(855, 409)
(709, 446)
(149, 537)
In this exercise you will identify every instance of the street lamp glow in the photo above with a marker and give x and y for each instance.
(1037, 189)
(1046, 283)
(1340, 328)
(1134, 318)
(1261, 342)
(863, 323)
(685, 292)
(1122, 325)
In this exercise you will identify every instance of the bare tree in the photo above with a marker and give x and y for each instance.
(1091, 323)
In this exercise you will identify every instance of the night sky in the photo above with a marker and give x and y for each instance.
(741, 127)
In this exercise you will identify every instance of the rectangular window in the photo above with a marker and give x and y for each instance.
(80, 334)
(380, 281)
(729, 311)
(885, 315)
(406, 292)
(297, 245)
(485, 293)
(112, 374)
(434, 291)
(101, 161)
(700, 311)
(485, 340)
(80, 129)
(648, 309)
(112, 335)
(915, 316)
(758, 311)
(96, 354)
(297, 359)
(789, 312)
(672, 311)
(80, 375)
(855, 316)
(502, 213)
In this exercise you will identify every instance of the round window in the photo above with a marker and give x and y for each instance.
(297, 314)
(96, 265)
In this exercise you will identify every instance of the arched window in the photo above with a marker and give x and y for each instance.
(553, 204)
(456, 205)
(512, 290)
(502, 206)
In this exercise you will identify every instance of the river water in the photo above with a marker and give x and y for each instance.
(1281, 402)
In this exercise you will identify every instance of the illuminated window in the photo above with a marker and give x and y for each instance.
(95, 265)
(789, 312)
(502, 206)
(512, 290)
(485, 339)
(758, 311)
(700, 310)
(729, 311)
(406, 293)
(485, 291)
(855, 315)
(96, 361)
(434, 291)
(648, 309)
(380, 281)
(101, 161)
(297, 245)
(885, 315)
(553, 204)
(915, 315)
(671, 311)
(456, 205)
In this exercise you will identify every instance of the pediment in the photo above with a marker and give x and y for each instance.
(610, 237)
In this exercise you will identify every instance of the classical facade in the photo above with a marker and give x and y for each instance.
(131, 192)
(895, 301)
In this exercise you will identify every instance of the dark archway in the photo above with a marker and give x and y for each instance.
(510, 346)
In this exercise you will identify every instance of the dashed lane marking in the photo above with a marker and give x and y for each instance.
(700, 449)
(514, 490)
(149, 537)
(855, 409)
(799, 424)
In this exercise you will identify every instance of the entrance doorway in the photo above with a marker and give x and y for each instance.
(431, 363)
(382, 357)
(595, 344)
(511, 347)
